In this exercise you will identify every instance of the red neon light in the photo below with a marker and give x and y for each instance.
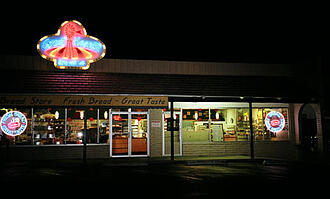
(13, 125)
(117, 118)
(71, 47)
(275, 122)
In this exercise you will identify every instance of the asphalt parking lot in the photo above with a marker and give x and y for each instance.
(188, 179)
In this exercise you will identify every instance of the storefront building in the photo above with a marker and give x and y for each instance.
(147, 108)
(124, 105)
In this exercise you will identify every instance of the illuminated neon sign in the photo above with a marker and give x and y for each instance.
(71, 47)
(275, 121)
(13, 123)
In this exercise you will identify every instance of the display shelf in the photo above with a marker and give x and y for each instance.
(48, 131)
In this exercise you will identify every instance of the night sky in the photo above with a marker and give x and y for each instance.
(270, 33)
(262, 33)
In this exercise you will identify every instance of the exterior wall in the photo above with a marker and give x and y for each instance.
(15, 62)
(276, 149)
(216, 148)
(155, 133)
(54, 152)
(283, 150)
(317, 111)
(296, 108)
(270, 149)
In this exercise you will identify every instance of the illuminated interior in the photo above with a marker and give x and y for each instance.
(229, 121)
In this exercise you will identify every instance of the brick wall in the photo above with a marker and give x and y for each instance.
(54, 152)
(282, 149)
(36, 63)
(215, 148)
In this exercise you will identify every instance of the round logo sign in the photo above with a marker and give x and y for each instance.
(275, 121)
(13, 123)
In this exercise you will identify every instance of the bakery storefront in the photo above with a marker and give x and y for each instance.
(138, 126)
(147, 108)
(121, 123)
(128, 113)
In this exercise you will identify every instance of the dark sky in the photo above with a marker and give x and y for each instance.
(213, 32)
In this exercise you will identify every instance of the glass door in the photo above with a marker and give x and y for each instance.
(139, 134)
(129, 134)
(177, 134)
(119, 134)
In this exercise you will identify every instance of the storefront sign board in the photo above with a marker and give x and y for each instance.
(155, 123)
(84, 100)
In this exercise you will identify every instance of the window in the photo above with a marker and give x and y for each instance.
(229, 121)
(75, 125)
(272, 128)
(48, 126)
(213, 125)
(103, 125)
(195, 125)
(54, 126)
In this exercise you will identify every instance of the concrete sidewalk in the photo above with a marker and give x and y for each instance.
(216, 160)
(141, 161)
(189, 161)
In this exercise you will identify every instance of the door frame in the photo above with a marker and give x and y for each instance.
(180, 133)
(129, 113)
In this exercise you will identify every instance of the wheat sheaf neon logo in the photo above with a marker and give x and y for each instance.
(71, 47)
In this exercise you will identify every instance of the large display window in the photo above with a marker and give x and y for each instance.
(55, 126)
(216, 122)
(195, 125)
(48, 126)
(75, 125)
(271, 123)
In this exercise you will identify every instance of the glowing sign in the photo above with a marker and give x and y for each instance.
(13, 123)
(71, 47)
(275, 121)
(117, 118)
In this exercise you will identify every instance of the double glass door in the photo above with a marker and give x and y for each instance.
(129, 134)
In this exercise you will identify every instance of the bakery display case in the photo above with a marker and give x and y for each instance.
(48, 127)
